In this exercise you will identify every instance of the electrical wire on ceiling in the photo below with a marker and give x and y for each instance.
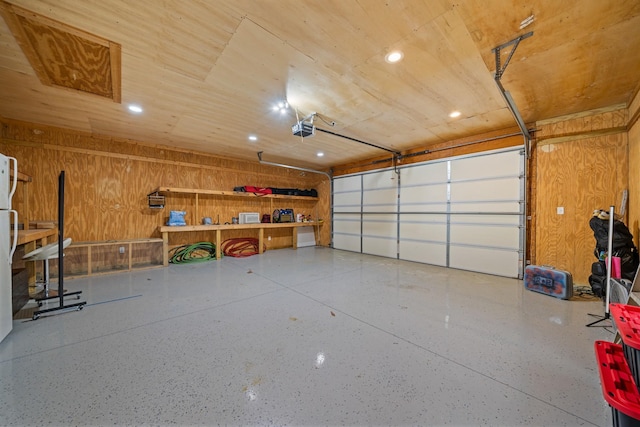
(333, 123)
(330, 123)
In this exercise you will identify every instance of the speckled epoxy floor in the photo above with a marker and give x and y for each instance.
(312, 336)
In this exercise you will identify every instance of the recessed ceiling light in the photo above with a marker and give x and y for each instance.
(135, 108)
(320, 154)
(393, 57)
(253, 138)
(454, 114)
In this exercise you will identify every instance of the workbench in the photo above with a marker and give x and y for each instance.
(34, 236)
(28, 240)
(166, 229)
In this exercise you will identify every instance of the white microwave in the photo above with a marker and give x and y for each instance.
(249, 218)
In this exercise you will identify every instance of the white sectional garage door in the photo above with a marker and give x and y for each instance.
(464, 212)
(347, 213)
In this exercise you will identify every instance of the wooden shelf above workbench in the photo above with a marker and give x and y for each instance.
(175, 190)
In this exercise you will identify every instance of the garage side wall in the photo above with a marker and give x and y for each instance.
(581, 165)
(108, 179)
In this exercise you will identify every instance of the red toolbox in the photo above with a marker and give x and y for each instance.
(627, 322)
(618, 387)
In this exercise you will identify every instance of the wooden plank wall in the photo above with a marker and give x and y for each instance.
(581, 165)
(634, 169)
(107, 181)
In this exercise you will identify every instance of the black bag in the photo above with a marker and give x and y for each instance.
(308, 193)
(599, 268)
(285, 191)
(598, 285)
(628, 262)
(622, 237)
(622, 246)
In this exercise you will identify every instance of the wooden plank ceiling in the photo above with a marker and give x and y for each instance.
(207, 73)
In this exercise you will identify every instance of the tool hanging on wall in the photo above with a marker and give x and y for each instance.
(155, 200)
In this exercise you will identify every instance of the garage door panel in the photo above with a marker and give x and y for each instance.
(426, 194)
(348, 183)
(376, 180)
(382, 246)
(494, 235)
(495, 189)
(486, 166)
(347, 194)
(431, 231)
(498, 262)
(380, 225)
(346, 223)
(347, 242)
(487, 219)
(428, 174)
(380, 192)
(426, 207)
(487, 207)
(385, 200)
(425, 252)
(343, 203)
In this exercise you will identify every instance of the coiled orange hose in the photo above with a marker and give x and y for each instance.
(241, 247)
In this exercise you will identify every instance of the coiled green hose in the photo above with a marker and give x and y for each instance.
(196, 252)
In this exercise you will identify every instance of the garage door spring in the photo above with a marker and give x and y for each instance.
(197, 252)
(241, 247)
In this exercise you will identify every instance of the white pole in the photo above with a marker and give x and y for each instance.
(609, 254)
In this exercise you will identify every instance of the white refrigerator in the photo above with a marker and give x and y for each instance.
(8, 167)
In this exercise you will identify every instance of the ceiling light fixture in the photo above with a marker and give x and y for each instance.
(253, 138)
(135, 108)
(454, 114)
(393, 57)
(281, 106)
(320, 154)
(526, 22)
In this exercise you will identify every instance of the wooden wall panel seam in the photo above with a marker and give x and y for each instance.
(581, 115)
(633, 119)
(134, 157)
(573, 136)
